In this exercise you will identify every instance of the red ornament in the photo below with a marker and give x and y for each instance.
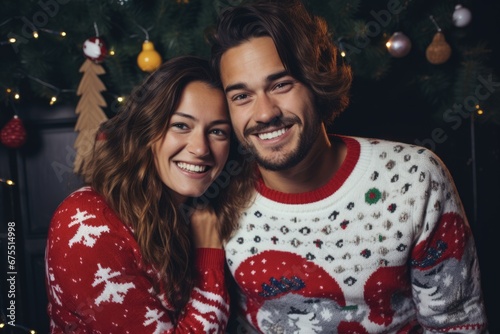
(95, 49)
(13, 134)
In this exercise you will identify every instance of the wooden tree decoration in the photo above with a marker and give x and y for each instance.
(89, 109)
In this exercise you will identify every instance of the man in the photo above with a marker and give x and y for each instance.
(345, 234)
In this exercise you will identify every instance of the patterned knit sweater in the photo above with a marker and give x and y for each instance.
(383, 247)
(97, 281)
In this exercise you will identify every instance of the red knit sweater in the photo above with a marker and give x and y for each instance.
(97, 281)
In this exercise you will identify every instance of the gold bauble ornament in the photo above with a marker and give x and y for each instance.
(439, 51)
(149, 59)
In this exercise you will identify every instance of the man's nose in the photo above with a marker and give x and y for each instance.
(266, 109)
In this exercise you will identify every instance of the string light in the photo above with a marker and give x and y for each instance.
(340, 44)
(54, 32)
(36, 35)
(28, 330)
(5, 324)
(33, 28)
(9, 183)
(53, 99)
(46, 84)
(479, 111)
(15, 95)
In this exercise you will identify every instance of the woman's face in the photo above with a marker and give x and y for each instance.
(196, 146)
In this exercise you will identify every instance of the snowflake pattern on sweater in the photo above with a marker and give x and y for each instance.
(383, 247)
(97, 281)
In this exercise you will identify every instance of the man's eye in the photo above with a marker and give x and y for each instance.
(239, 97)
(283, 85)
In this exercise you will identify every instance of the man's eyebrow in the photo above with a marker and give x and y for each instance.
(277, 76)
(235, 87)
(269, 78)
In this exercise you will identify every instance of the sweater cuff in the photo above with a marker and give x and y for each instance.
(207, 258)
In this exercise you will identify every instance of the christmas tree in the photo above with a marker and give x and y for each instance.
(42, 42)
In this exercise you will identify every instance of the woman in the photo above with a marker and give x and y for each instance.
(121, 255)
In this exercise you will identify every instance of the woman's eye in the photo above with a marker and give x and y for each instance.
(219, 132)
(180, 126)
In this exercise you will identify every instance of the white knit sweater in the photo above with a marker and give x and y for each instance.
(383, 247)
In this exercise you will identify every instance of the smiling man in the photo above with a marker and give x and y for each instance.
(345, 234)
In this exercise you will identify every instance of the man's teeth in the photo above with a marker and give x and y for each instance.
(271, 135)
(191, 168)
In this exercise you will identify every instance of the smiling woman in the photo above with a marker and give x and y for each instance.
(121, 254)
(196, 145)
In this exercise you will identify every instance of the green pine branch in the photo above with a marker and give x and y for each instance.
(360, 28)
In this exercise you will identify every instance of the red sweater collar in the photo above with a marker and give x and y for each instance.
(337, 180)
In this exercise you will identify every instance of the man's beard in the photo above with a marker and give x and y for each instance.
(291, 159)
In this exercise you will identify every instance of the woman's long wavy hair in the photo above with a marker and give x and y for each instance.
(302, 40)
(123, 170)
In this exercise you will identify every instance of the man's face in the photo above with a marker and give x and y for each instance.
(272, 113)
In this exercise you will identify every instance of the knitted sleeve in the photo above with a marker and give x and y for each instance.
(444, 264)
(97, 283)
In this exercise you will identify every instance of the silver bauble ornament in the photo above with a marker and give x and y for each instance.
(461, 16)
(399, 45)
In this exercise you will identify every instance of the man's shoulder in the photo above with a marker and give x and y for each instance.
(391, 146)
(387, 150)
(411, 155)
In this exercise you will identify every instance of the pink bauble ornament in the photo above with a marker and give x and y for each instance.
(95, 49)
(13, 134)
(399, 45)
(461, 16)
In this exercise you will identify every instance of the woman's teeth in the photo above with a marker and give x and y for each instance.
(191, 168)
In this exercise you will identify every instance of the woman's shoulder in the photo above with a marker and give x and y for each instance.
(84, 216)
(85, 197)
(87, 204)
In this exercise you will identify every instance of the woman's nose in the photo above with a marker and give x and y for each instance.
(198, 144)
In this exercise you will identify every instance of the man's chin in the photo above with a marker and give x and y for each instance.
(277, 164)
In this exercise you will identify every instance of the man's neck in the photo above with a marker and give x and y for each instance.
(314, 171)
